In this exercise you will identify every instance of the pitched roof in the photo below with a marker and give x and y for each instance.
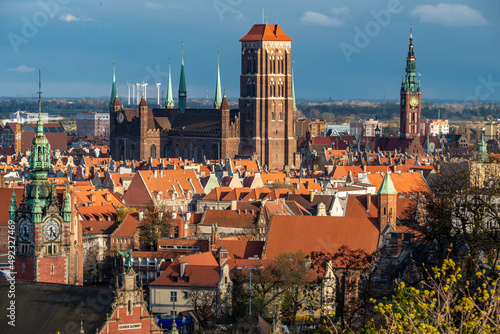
(241, 249)
(229, 218)
(201, 270)
(266, 32)
(325, 234)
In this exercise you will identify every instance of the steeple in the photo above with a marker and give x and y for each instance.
(40, 148)
(113, 88)
(218, 95)
(293, 90)
(182, 86)
(387, 187)
(169, 102)
(428, 145)
(410, 82)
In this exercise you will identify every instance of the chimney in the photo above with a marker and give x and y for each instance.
(311, 196)
(368, 201)
(233, 204)
(141, 215)
(183, 269)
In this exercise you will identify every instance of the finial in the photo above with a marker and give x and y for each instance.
(411, 30)
(182, 50)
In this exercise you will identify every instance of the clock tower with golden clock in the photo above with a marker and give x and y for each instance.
(48, 240)
(410, 97)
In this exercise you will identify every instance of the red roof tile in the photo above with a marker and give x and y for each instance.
(265, 32)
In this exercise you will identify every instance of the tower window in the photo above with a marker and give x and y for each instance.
(52, 269)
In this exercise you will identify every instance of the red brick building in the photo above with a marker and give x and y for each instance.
(263, 128)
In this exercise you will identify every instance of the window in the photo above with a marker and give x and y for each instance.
(52, 269)
(185, 295)
(173, 296)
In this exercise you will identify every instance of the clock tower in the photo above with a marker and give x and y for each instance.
(48, 241)
(410, 98)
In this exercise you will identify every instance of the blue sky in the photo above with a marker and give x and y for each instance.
(341, 49)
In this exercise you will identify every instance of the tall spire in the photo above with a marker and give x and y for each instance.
(293, 90)
(169, 102)
(182, 86)
(40, 148)
(113, 88)
(218, 95)
(39, 124)
(410, 82)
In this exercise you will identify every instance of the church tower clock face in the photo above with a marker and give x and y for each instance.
(51, 230)
(413, 101)
(25, 229)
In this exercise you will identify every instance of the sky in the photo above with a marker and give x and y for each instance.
(341, 49)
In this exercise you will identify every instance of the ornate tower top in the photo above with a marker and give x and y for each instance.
(410, 82)
(113, 88)
(218, 95)
(411, 55)
(40, 148)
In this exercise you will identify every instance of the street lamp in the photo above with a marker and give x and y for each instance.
(250, 270)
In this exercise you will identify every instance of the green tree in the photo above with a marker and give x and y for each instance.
(154, 225)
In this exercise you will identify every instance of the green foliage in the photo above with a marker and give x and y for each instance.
(444, 303)
(154, 225)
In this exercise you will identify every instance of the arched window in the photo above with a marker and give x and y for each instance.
(186, 152)
(153, 151)
(272, 116)
(280, 116)
(132, 152)
(195, 153)
(177, 150)
(129, 306)
(167, 150)
(122, 151)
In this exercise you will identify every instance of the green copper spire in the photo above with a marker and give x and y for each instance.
(182, 86)
(387, 187)
(410, 82)
(293, 90)
(428, 145)
(13, 206)
(218, 95)
(169, 102)
(113, 88)
(40, 148)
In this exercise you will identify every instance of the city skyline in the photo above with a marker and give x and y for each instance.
(360, 48)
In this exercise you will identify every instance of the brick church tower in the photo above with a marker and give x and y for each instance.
(48, 240)
(266, 103)
(410, 98)
(387, 198)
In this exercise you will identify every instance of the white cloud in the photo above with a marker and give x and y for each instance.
(449, 15)
(22, 69)
(311, 17)
(69, 18)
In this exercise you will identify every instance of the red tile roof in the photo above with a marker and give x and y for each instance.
(242, 249)
(325, 234)
(266, 32)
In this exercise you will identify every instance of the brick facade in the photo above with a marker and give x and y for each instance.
(262, 128)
